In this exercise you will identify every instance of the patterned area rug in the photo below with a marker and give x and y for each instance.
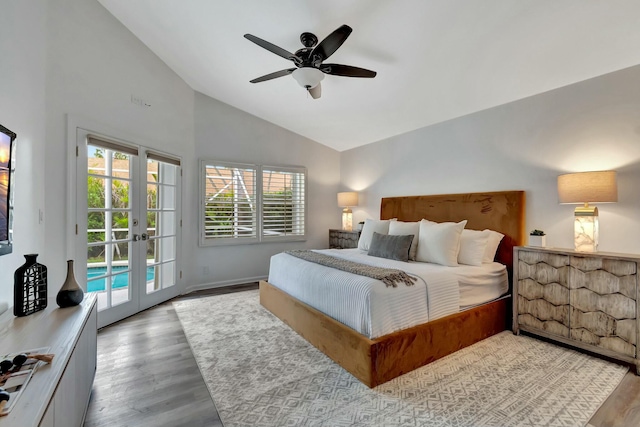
(261, 373)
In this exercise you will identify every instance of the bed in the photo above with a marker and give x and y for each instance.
(373, 309)
(377, 360)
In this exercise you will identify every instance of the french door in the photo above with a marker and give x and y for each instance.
(128, 225)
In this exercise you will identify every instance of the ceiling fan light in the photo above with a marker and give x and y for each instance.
(308, 77)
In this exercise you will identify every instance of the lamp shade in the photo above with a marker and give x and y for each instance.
(308, 77)
(588, 187)
(348, 198)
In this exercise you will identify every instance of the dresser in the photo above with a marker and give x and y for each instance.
(58, 393)
(586, 300)
(342, 239)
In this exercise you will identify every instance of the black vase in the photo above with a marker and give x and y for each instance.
(70, 293)
(29, 287)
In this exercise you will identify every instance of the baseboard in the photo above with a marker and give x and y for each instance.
(223, 283)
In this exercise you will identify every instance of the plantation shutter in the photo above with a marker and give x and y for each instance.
(283, 201)
(230, 202)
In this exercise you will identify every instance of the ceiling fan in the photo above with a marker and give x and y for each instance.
(310, 69)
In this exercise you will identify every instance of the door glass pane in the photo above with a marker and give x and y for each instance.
(152, 196)
(121, 164)
(120, 194)
(95, 192)
(167, 224)
(168, 248)
(95, 226)
(95, 161)
(169, 174)
(96, 254)
(152, 223)
(120, 288)
(168, 274)
(167, 197)
(152, 250)
(120, 225)
(121, 253)
(153, 279)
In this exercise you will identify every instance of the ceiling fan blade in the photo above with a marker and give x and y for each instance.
(272, 48)
(275, 75)
(330, 44)
(316, 91)
(346, 71)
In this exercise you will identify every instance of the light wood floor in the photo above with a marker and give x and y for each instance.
(147, 376)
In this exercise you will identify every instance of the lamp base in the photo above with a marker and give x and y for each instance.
(347, 219)
(586, 233)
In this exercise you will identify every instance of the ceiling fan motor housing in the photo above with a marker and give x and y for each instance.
(308, 39)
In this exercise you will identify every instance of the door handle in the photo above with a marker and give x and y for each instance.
(136, 237)
(144, 236)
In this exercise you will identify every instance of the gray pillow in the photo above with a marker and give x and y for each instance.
(390, 247)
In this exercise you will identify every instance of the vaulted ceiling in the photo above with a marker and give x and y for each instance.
(435, 59)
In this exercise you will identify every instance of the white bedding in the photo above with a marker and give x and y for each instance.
(365, 304)
(369, 307)
(481, 284)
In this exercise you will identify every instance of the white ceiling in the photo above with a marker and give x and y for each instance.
(436, 59)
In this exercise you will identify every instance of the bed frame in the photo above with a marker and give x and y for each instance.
(375, 361)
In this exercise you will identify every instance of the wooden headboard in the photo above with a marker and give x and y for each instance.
(501, 211)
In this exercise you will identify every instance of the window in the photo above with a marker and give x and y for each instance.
(229, 202)
(244, 203)
(283, 202)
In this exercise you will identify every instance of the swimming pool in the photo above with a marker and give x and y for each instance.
(119, 281)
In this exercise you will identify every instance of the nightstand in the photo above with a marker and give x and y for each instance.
(342, 239)
(588, 300)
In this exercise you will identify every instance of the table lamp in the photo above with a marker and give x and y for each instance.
(585, 188)
(346, 200)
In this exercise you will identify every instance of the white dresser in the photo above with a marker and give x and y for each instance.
(57, 394)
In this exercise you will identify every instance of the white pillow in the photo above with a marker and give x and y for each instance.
(400, 228)
(439, 243)
(380, 226)
(492, 245)
(472, 246)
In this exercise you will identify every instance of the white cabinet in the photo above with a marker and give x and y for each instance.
(58, 394)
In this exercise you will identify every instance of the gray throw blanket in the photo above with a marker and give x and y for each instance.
(389, 276)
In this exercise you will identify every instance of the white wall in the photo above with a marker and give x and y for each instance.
(94, 65)
(524, 145)
(22, 110)
(225, 133)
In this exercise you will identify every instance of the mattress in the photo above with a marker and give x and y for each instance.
(373, 309)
